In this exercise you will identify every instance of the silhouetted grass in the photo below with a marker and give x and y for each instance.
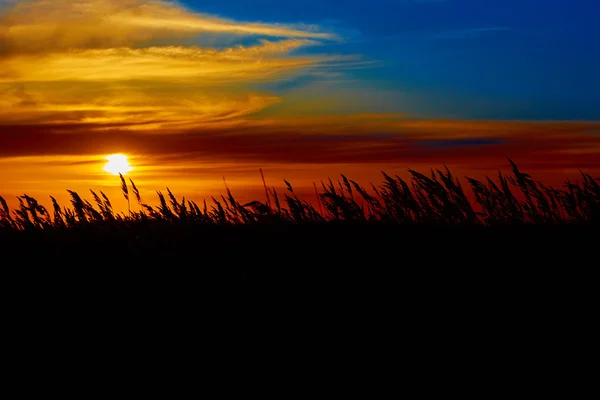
(397, 225)
(434, 199)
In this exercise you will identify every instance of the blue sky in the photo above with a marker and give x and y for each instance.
(469, 59)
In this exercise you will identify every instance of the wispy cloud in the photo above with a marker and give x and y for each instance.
(43, 25)
(172, 63)
(105, 60)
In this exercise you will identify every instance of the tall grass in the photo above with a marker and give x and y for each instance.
(436, 198)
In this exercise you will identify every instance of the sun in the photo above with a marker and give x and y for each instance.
(117, 164)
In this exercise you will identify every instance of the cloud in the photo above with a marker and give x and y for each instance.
(169, 62)
(33, 26)
(142, 62)
(41, 159)
(343, 140)
(142, 107)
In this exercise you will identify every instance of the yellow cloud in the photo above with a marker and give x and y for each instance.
(158, 63)
(98, 61)
(149, 105)
(42, 25)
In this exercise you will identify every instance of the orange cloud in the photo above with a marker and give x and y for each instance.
(42, 159)
(343, 140)
(97, 61)
(50, 25)
(159, 63)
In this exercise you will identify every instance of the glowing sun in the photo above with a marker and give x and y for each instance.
(117, 164)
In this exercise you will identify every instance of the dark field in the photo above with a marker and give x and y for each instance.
(500, 292)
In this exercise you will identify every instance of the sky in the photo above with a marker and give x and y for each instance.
(194, 91)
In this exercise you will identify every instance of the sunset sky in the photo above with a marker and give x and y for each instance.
(194, 91)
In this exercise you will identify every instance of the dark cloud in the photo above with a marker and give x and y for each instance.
(463, 142)
(560, 145)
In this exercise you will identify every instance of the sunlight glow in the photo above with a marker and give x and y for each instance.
(117, 164)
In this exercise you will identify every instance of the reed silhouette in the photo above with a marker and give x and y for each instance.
(437, 199)
(427, 220)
